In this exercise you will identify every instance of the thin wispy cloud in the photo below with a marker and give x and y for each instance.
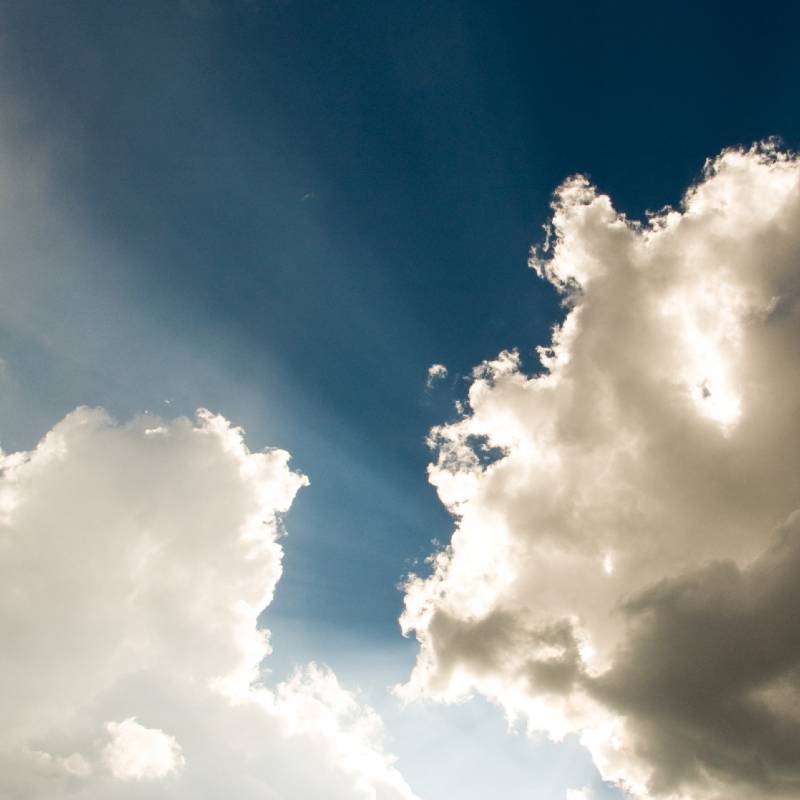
(436, 373)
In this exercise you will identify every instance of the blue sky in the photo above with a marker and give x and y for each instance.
(287, 211)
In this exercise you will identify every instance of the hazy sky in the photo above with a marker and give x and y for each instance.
(315, 220)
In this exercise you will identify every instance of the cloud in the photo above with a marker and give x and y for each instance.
(134, 561)
(138, 753)
(626, 567)
(578, 794)
(436, 372)
(710, 670)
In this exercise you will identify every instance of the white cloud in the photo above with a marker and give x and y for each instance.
(134, 561)
(613, 573)
(139, 753)
(578, 794)
(436, 372)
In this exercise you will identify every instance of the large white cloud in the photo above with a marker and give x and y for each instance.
(615, 569)
(134, 561)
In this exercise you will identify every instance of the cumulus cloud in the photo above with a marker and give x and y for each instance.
(134, 561)
(627, 566)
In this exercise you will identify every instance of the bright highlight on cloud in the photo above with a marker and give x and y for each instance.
(139, 753)
(578, 794)
(134, 561)
(628, 568)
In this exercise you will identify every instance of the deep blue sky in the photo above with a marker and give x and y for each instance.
(317, 200)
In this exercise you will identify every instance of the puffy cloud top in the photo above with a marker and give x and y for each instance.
(134, 562)
(139, 753)
(616, 571)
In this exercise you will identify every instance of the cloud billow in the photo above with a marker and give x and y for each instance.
(627, 568)
(134, 562)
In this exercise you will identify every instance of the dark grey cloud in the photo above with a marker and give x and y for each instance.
(710, 672)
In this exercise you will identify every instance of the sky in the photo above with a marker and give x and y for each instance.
(485, 569)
